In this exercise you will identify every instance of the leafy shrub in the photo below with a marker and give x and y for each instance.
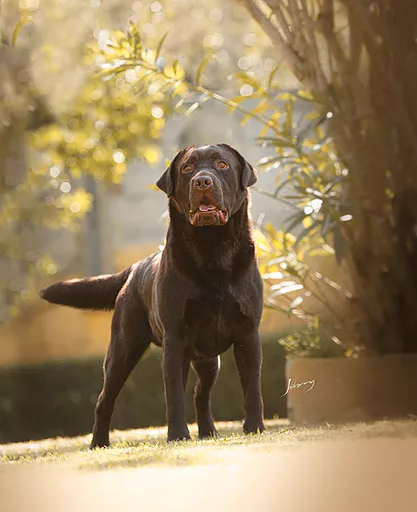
(309, 342)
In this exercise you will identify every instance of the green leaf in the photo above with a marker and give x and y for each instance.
(284, 290)
(287, 128)
(284, 284)
(191, 109)
(19, 25)
(278, 142)
(273, 275)
(307, 96)
(159, 47)
(306, 231)
(313, 116)
(328, 225)
(281, 186)
(286, 96)
(133, 38)
(269, 161)
(175, 66)
(256, 111)
(238, 100)
(248, 79)
(276, 261)
(201, 67)
(271, 77)
(295, 220)
(295, 303)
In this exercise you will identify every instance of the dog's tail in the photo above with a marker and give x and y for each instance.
(97, 293)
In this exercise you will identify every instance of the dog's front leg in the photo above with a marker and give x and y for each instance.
(248, 355)
(174, 356)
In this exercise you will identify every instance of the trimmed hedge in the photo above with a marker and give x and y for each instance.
(57, 399)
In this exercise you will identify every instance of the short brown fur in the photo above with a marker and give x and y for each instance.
(201, 295)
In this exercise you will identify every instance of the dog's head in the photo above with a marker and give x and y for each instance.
(208, 183)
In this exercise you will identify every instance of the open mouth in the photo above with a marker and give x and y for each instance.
(208, 215)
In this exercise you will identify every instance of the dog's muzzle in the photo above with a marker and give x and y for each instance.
(206, 202)
(208, 215)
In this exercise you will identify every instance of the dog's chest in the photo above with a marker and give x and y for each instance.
(212, 323)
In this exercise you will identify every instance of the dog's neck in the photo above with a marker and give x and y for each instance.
(214, 251)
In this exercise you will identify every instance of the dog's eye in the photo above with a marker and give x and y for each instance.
(222, 165)
(187, 168)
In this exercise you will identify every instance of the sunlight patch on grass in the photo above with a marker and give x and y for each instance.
(148, 447)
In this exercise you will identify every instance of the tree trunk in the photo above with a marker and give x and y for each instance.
(361, 60)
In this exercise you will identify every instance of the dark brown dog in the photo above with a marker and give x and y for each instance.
(198, 297)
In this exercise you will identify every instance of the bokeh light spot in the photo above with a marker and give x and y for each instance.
(156, 7)
(118, 157)
(243, 63)
(153, 88)
(65, 187)
(250, 39)
(54, 171)
(214, 40)
(157, 112)
(246, 90)
(216, 15)
(158, 17)
(75, 207)
(136, 6)
(99, 125)
(270, 64)
(222, 56)
(51, 269)
(130, 76)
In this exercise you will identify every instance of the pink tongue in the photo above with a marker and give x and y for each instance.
(205, 208)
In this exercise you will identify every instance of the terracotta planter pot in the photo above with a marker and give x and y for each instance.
(347, 390)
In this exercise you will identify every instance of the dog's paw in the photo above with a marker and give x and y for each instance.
(253, 427)
(178, 435)
(207, 433)
(99, 444)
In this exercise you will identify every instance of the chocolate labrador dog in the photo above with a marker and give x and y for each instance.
(198, 297)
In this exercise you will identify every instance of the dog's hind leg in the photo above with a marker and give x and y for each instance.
(185, 370)
(130, 337)
(206, 371)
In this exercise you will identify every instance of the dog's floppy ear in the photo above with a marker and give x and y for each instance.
(248, 176)
(167, 181)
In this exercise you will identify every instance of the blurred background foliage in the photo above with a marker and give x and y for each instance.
(61, 123)
(87, 98)
(87, 87)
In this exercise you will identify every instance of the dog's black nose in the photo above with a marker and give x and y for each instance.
(202, 182)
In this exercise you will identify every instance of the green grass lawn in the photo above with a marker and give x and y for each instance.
(351, 468)
(148, 447)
